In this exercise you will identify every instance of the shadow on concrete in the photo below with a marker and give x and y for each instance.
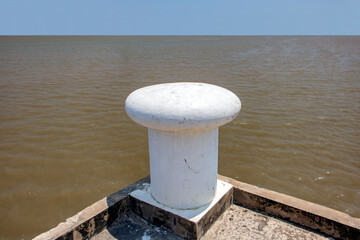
(132, 226)
(123, 223)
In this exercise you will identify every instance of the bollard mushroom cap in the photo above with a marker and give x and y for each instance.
(182, 106)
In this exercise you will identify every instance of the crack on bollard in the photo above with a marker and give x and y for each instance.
(190, 167)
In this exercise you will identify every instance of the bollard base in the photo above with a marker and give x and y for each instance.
(189, 223)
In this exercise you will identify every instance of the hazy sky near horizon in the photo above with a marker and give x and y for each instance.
(179, 17)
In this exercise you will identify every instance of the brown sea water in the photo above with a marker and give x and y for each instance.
(66, 141)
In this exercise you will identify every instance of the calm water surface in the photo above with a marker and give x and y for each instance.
(66, 142)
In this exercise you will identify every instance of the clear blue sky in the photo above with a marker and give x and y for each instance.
(179, 17)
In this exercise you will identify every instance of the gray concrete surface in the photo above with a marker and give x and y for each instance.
(241, 223)
(247, 212)
(235, 223)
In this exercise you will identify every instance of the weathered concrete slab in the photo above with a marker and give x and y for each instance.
(235, 223)
(307, 214)
(241, 223)
(256, 214)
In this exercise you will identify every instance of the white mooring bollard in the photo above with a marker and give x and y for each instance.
(183, 120)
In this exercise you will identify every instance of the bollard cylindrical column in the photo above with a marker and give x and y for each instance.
(183, 120)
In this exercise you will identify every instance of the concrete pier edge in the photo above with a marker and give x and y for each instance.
(103, 213)
(96, 217)
(303, 213)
